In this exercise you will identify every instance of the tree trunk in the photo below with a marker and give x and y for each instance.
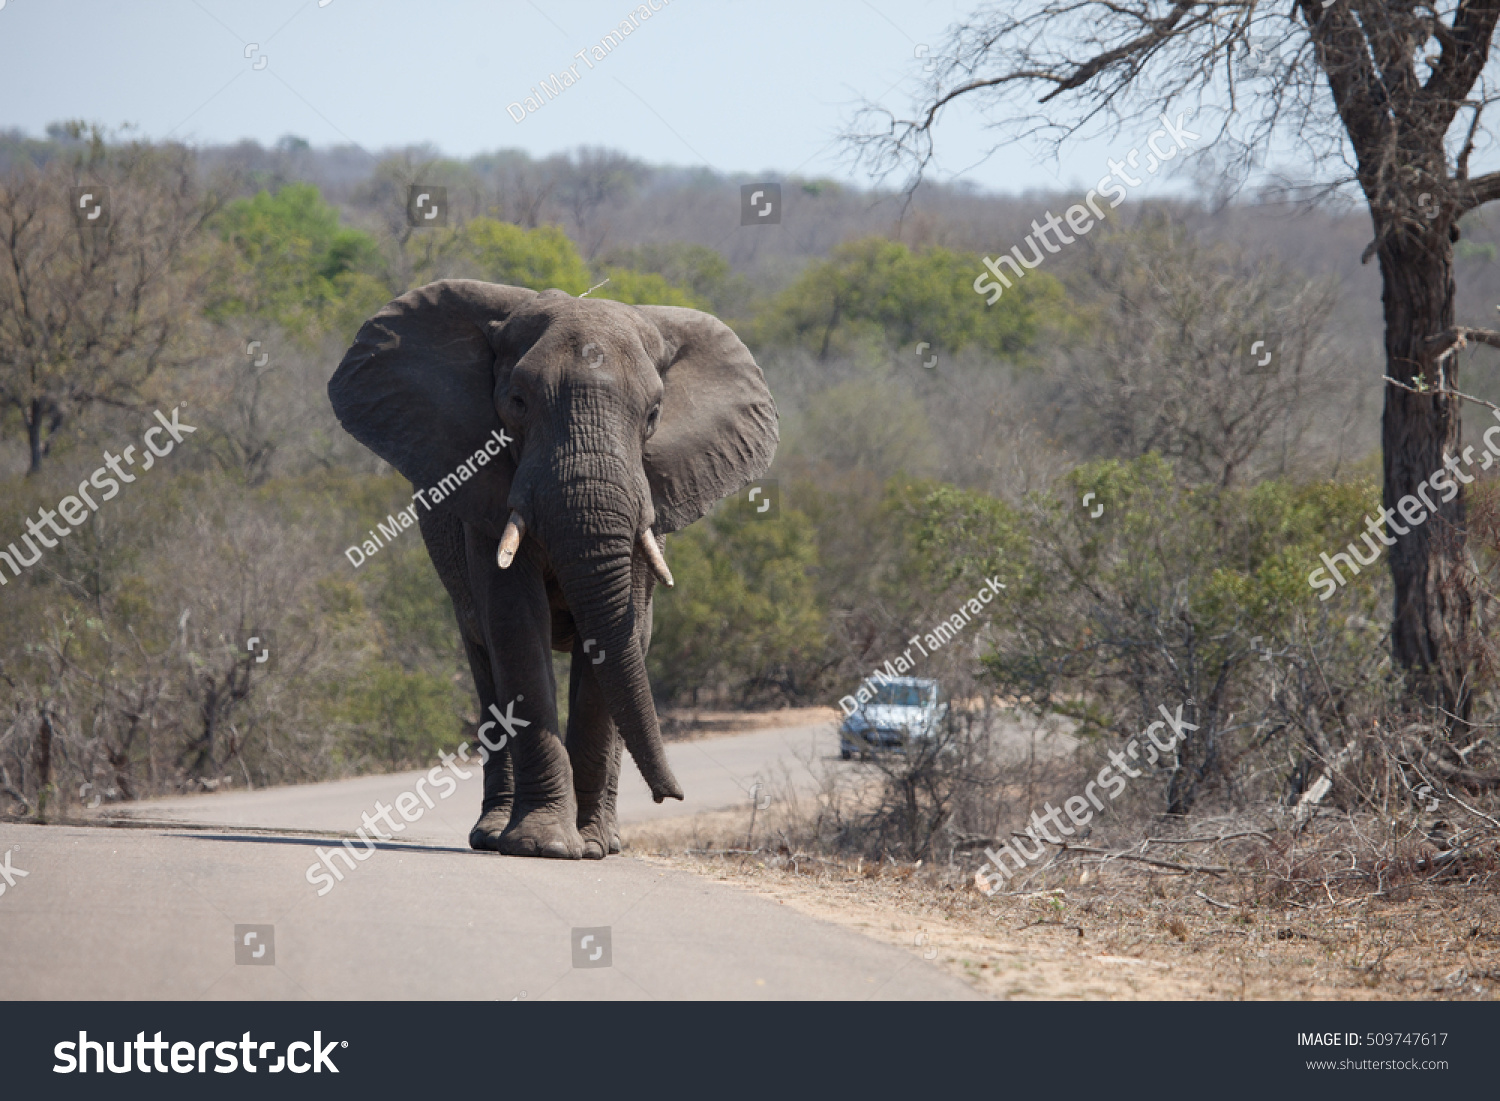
(34, 436)
(43, 760)
(1433, 603)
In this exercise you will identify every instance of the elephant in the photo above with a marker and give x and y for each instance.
(562, 439)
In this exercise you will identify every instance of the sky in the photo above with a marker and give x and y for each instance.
(738, 87)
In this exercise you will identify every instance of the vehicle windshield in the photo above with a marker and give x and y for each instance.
(899, 695)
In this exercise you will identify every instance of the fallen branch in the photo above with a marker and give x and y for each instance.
(1213, 902)
(1475, 813)
(1202, 840)
(1050, 921)
(969, 844)
(1207, 869)
(1464, 777)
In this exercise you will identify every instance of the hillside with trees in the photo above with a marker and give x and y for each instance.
(929, 441)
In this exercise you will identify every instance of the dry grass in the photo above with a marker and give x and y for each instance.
(1311, 919)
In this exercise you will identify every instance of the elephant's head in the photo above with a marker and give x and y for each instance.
(623, 420)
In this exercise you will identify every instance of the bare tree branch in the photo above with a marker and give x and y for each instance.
(1480, 190)
(1442, 393)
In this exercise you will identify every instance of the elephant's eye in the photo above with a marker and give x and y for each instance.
(518, 405)
(651, 419)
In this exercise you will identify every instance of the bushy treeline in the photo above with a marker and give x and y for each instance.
(929, 443)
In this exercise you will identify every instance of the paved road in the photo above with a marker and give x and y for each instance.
(150, 911)
(715, 773)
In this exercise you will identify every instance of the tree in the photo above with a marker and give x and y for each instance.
(483, 248)
(1187, 595)
(295, 265)
(696, 269)
(1198, 352)
(871, 425)
(540, 258)
(638, 288)
(525, 186)
(90, 310)
(384, 193)
(746, 582)
(591, 180)
(876, 289)
(1396, 83)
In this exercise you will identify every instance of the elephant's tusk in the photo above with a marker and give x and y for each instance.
(658, 563)
(510, 540)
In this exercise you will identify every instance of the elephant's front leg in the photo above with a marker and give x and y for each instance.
(594, 750)
(499, 777)
(517, 624)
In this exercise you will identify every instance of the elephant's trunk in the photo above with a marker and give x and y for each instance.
(595, 571)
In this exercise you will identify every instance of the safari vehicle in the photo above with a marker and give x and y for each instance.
(904, 709)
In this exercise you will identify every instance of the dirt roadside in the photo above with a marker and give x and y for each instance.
(1113, 933)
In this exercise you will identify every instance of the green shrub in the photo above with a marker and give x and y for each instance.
(743, 616)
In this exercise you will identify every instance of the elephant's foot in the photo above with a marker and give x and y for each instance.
(597, 827)
(546, 830)
(486, 833)
(598, 841)
(499, 801)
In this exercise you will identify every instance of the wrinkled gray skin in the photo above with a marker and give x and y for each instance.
(605, 452)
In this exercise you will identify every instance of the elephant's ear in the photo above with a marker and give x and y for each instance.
(718, 427)
(417, 388)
